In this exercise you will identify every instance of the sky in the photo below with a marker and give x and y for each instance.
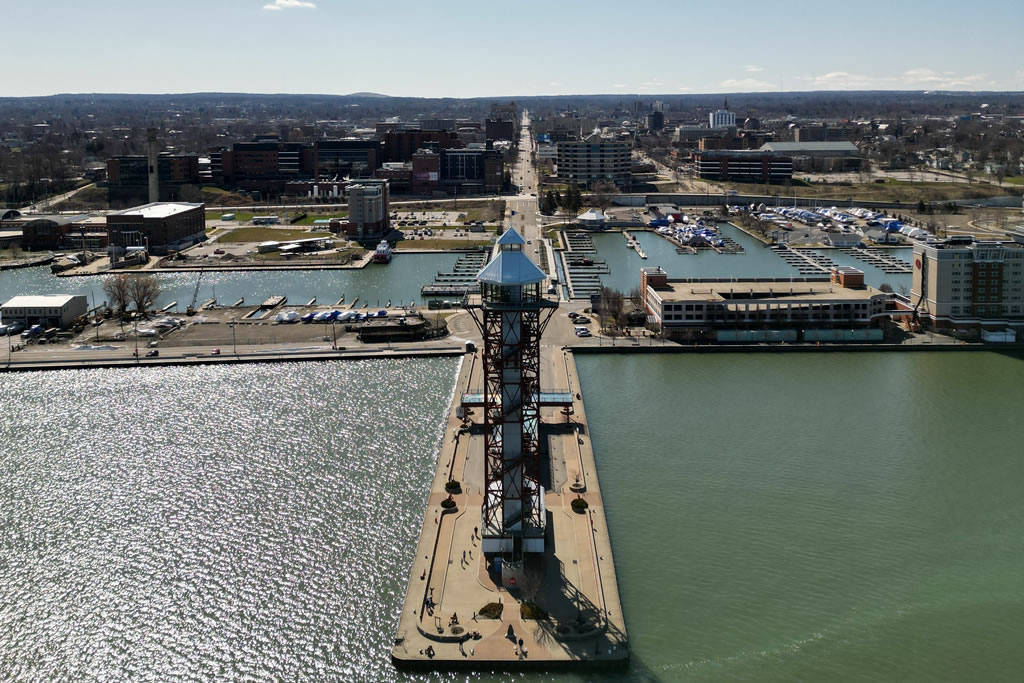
(458, 48)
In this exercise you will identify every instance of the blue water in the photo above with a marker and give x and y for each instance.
(756, 261)
(399, 282)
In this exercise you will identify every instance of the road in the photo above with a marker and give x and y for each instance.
(50, 201)
(521, 209)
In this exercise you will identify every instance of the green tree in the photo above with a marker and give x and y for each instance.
(548, 205)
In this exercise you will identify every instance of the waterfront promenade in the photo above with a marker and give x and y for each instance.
(573, 584)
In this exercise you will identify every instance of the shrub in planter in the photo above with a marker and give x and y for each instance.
(530, 610)
(453, 486)
(579, 505)
(447, 503)
(491, 610)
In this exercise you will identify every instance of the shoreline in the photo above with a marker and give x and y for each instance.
(791, 348)
(274, 356)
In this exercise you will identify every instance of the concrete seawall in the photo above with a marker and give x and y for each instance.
(793, 348)
(282, 356)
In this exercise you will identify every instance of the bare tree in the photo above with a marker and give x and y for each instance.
(143, 290)
(602, 194)
(116, 287)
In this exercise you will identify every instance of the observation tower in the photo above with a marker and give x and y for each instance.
(511, 315)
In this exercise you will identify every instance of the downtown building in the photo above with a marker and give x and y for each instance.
(472, 170)
(369, 216)
(159, 228)
(961, 283)
(128, 176)
(748, 166)
(585, 162)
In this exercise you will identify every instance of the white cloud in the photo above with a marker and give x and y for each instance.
(841, 80)
(944, 80)
(753, 68)
(746, 84)
(289, 4)
(554, 83)
(911, 79)
(618, 86)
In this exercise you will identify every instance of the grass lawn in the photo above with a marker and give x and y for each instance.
(1014, 180)
(308, 220)
(264, 234)
(240, 216)
(442, 244)
(891, 190)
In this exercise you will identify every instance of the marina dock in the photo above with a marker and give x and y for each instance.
(572, 585)
(634, 244)
(583, 270)
(881, 259)
(807, 261)
(461, 280)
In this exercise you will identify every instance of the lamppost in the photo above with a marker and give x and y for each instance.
(234, 345)
(135, 325)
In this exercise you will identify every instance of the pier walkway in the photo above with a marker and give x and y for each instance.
(573, 581)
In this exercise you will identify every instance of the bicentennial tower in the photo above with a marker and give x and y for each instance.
(511, 315)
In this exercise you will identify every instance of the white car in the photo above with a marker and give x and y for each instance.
(583, 332)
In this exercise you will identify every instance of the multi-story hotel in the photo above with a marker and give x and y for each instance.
(964, 283)
(368, 209)
(586, 161)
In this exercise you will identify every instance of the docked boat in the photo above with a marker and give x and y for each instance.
(383, 252)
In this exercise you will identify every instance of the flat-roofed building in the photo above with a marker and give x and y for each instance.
(472, 170)
(368, 212)
(58, 310)
(337, 159)
(585, 162)
(964, 283)
(818, 156)
(128, 176)
(694, 308)
(42, 233)
(752, 166)
(160, 227)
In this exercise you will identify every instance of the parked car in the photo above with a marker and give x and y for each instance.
(218, 250)
(583, 332)
(152, 353)
(582, 320)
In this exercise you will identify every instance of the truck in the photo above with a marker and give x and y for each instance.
(32, 332)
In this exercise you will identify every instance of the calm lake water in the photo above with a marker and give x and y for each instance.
(756, 261)
(398, 281)
(834, 517)
(850, 517)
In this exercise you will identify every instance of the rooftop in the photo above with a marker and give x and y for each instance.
(748, 290)
(35, 301)
(158, 209)
(790, 147)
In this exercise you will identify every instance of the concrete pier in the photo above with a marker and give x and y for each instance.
(573, 583)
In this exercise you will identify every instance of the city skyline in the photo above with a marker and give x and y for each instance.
(463, 49)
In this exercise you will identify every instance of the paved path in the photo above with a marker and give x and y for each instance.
(573, 581)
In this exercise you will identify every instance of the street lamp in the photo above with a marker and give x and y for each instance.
(234, 346)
